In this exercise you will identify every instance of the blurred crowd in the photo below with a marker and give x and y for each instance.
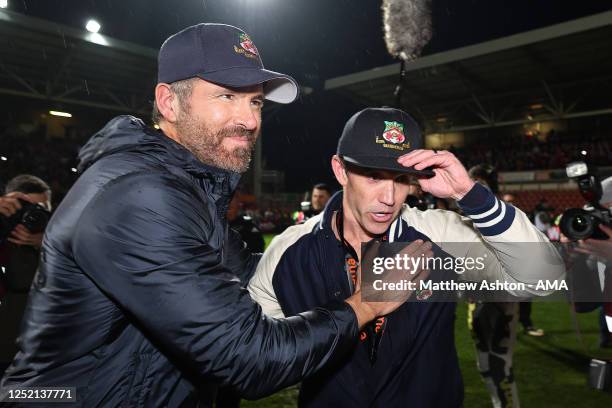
(520, 152)
(31, 151)
(271, 220)
(52, 159)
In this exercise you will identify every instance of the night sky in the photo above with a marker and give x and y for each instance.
(312, 40)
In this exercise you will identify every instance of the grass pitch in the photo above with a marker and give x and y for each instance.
(550, 371)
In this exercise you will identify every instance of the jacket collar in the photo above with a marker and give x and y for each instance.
(333, 205)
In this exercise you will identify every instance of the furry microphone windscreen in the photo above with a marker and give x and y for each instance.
(407, 26)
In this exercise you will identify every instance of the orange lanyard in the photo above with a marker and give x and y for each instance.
(374, 331)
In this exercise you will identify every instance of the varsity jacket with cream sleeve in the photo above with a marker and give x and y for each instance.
(416, 363)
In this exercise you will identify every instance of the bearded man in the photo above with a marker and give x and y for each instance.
(139, 299)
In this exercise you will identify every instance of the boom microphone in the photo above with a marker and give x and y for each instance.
(407, 26)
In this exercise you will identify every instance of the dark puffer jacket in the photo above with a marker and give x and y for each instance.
(139, 299)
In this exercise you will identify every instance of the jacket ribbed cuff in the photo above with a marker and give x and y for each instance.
(491, 215)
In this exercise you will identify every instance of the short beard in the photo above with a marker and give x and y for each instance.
(207, 146)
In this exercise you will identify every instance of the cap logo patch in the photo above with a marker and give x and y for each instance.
(394, 132)
(248, 48)
(393, 136)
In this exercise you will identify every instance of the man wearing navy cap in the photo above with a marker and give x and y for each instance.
(406, 358)
(139, 299)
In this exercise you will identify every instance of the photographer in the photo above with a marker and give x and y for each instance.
(416, 198)
(601, 251)
(19, 251)
(320, 194)
(601, 248)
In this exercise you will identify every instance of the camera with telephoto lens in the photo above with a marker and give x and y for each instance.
(426, 202)
(34, 217)
(579, 223)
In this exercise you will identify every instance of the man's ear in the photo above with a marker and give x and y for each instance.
(339, 170)
(166, 103)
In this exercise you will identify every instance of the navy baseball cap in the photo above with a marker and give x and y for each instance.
(222, 54)
(376, 137)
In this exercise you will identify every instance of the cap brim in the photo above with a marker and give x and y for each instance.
(278, 87)
(386, 163)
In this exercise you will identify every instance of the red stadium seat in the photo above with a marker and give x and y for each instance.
(559, 200)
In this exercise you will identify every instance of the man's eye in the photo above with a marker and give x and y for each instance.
(258, 103)
(227, 96)
(405, 179)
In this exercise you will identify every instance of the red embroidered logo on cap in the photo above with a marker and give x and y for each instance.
(393, 136)
(394, 132)
(248, 48)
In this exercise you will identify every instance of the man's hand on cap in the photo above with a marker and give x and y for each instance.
(451, 179)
